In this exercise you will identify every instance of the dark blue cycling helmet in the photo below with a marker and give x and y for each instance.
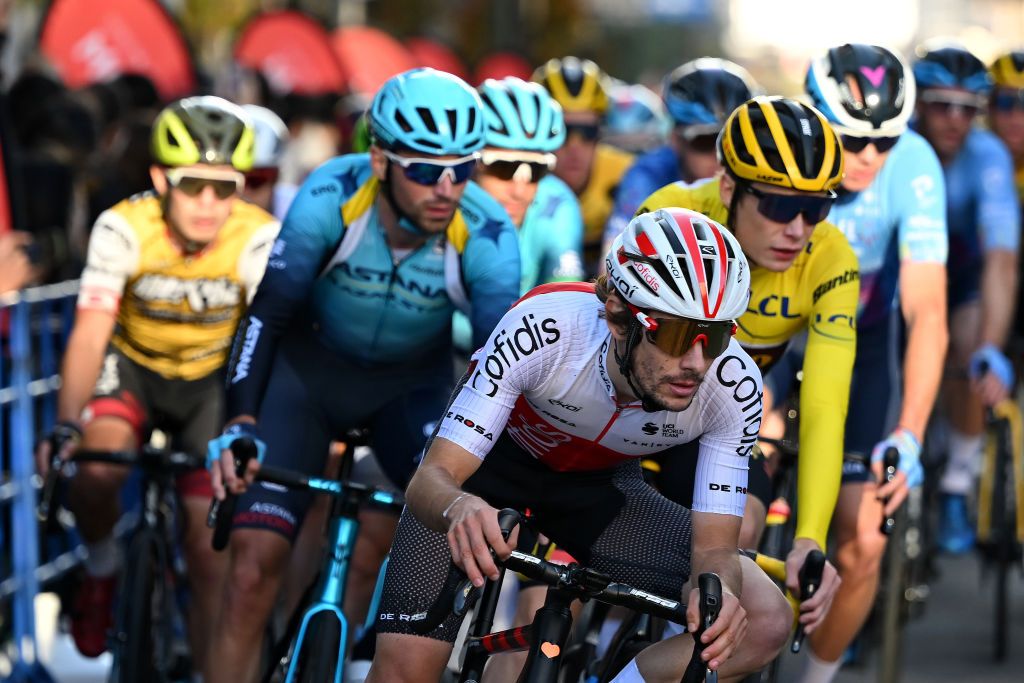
(706, 90)
(429, 111)
(951, 66)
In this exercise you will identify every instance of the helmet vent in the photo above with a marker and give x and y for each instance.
(403, 122)
(428, 119)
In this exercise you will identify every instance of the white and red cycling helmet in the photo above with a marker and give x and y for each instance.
(682, 263)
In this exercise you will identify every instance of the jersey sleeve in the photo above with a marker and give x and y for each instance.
(490, 268)
(252, 262)
(310, 232)
(112, 257)
(998, 211)
(496, 378)
(919, 195)
(563, 258)
(732, 419)
(834, 288)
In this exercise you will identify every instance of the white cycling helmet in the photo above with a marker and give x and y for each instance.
(680, 262)
(271, 136)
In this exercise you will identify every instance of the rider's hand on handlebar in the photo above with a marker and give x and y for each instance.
(991, 374)
(65, 437)
(472, 532)
(813, 611)
(221, 462)
(910, 474)
(721, 638)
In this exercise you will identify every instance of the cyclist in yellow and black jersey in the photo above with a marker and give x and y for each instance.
(782, 162)
(168, 275)
(592, 169)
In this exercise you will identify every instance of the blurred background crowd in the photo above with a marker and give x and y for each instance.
(80, 81)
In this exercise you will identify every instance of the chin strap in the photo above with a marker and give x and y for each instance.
(404, 220)
(625, 363)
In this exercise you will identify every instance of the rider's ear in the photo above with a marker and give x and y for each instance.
(726, 188)
(378, 163)
(615, 315)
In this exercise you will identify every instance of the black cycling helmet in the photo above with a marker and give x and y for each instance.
(706, 90)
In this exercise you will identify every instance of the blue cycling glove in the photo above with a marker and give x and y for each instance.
(990, 358)
(904, 441)
(241, 430)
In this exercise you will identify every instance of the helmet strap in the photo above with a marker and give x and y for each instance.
(405, 221)
(625, 363)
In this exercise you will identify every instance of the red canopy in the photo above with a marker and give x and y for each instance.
(436, 55)
(501, 64)
(293, 52)
(369, 57)
(89, 41)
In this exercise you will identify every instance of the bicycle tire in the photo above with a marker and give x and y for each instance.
(318, 656)
(893, 603)
(135, 648)
(1002, 537)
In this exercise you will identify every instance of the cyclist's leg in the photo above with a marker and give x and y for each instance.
(114, 419)
(193, 411)
(966, 419)
(875, 397)
(267, 518)
(643, 539)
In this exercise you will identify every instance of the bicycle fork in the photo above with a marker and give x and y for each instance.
(328, 596)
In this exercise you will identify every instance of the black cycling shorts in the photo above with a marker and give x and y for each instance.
(677, 473)
(610, 520)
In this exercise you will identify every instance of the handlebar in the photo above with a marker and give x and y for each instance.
(810, 578)
(222, 511)
(890, 467)
(710, 587)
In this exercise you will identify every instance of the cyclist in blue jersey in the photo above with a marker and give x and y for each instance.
(984, 233)
(352, 327)
(699, 95)
(524, 127)
(891, 207)
(636, 120)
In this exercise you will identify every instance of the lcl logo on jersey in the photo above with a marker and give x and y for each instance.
(202, 294)
(773, 306)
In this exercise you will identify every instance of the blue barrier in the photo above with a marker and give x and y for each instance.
(34, 325)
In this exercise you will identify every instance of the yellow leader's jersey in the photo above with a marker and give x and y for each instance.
(598, 199)
(176, 312)
(819, 293)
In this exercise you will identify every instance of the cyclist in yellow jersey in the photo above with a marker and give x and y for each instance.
(782, 162)
(590, 168)
(168, 276)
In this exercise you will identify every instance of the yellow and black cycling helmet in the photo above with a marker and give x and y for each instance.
(204, 130)
(779, 141)
(1008, 70)
(576, 84)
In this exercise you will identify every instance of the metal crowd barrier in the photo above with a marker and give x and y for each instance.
(34, 327)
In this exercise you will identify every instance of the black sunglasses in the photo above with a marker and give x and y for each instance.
(855, 144)
(588, 131)
(784, 208)
(504, 169)
(1008, 100)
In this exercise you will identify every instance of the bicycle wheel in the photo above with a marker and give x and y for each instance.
(892, 602)
(1002, 548)
(135, 644)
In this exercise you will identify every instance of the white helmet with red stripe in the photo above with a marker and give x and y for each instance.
(682, 263)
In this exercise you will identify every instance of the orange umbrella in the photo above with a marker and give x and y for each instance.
(293, 52)
(369, 57)
(89, 42)
(436, 55)
(502, 64)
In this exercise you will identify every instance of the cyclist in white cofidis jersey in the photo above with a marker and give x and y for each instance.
(575, 384)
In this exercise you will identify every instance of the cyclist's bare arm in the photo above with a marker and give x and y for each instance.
(87, 346)
(715, 539)
(923, 302)
(998, 296)
(435, 497)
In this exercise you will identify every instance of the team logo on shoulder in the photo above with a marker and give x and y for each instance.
(478, 428)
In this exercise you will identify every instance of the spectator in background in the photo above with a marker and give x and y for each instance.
(16, 269)
(591, 169)
(262, 182)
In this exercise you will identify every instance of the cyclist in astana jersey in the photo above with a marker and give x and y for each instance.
(524, 128)
(892, 209)
(352, 327)
(168, 275)
(699, 95)
(782, 161)
(984, 234)
(555, 412)
(636, 120)
(590, 168)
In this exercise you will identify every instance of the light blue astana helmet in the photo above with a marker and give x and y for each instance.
(521, 116)
(428, 111)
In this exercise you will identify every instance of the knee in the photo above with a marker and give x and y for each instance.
(254, 573)
(206, 567)
(405, 658)
(861, 557)
(768, 628)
